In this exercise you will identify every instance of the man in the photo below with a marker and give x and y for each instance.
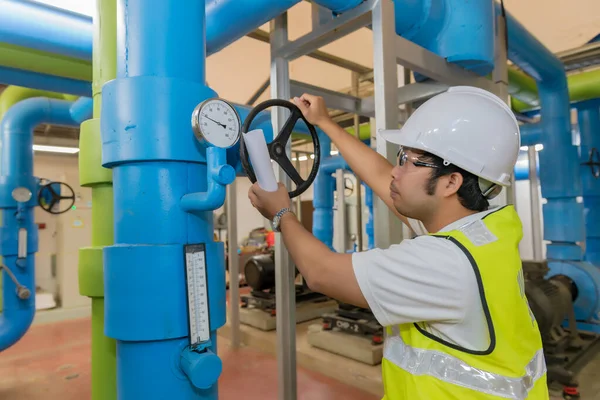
(452, 299)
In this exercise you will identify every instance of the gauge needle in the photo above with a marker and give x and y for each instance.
(218, 123)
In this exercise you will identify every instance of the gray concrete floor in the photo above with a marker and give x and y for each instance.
(589, 382)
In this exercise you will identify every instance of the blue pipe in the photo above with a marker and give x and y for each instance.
(560, 180)
(521, 170)
(339, 6)
(588, 116)
(63, 32)
(531, 134)
(16, 170)
(219, 175)
(323, 189)
(11, 76)
(370, 221)
(82, 109)
(156, 161)
(460, 31)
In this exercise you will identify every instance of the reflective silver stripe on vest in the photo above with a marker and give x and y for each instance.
(453, 370)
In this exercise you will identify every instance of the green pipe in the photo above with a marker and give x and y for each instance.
(582, 86)
(17, 57)
(11, 96)
(99, 179)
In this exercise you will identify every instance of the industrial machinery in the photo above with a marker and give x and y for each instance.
(259, 273)
(566, 348)
(355, 321)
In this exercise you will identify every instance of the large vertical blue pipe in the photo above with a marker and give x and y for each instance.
(156, 161)
(560, 180)
(16, 170)
(588, 116)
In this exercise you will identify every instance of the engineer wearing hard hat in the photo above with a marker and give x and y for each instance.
(452, 299)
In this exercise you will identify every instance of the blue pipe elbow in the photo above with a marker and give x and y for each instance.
(339, 6)
(82, 109)
(219, 175)
(33, 80)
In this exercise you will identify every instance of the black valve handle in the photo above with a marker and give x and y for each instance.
(277, 146)
(48, 197)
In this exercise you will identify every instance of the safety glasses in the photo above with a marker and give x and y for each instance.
(402, 158)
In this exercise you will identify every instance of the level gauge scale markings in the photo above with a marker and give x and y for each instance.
(197, 287)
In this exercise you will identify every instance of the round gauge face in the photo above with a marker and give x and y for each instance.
(21, 194)
(217, 122)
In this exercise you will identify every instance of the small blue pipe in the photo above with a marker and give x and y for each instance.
(531, 134)
(16, 170)
(323, 189)
(62, 32)
(559, 165)
(219, 175)
(588, 116)
(82, 109)
(17, 77)
(370, 221)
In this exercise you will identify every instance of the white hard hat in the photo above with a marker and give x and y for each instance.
(468, 127)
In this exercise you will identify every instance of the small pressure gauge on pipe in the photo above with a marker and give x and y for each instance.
(21, 195)
(216, 122)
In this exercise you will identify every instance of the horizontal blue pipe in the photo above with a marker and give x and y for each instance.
(559, 165)
(339, 6)
(62, 32)
(82, 109)
(332, 163)
(521, 170)
(70, 34)
(531, 134)
(16, 170)
(33, 80)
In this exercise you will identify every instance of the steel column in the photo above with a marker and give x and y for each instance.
(234, 265)
(534, 198)
(284, 269)
(389, 230)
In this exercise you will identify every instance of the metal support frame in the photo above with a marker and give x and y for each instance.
(342, 222)
(284, 270)
(388, 228)
(359, 210)
(234, 265)
(534, 198)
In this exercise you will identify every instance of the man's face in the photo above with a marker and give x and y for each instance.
(408, 188)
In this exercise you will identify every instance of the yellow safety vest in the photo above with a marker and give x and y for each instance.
(420, 366)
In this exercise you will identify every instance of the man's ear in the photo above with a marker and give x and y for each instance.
(453, 182)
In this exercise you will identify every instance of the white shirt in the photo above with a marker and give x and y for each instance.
(429, 280)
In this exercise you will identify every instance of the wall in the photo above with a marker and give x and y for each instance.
(59, 243)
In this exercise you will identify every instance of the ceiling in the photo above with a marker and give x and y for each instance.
(239, 70)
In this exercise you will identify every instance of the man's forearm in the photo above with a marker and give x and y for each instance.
(306, 250)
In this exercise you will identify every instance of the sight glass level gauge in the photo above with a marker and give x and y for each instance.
(216, 121)
(21, 195)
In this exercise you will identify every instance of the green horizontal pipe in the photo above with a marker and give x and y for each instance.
(45, 63)
(582, 86)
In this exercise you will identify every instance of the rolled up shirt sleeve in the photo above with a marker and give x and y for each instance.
(418, 280)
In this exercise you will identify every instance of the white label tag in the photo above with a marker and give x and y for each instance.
(478, 233)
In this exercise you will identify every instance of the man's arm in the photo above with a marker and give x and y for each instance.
(325, 271)
(372, 168)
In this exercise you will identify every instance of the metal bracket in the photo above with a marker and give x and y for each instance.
(328, 32)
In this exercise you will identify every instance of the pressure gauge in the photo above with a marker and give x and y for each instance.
(21, 195)
(216, 122)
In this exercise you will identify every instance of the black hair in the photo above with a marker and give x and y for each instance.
(469, 193)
